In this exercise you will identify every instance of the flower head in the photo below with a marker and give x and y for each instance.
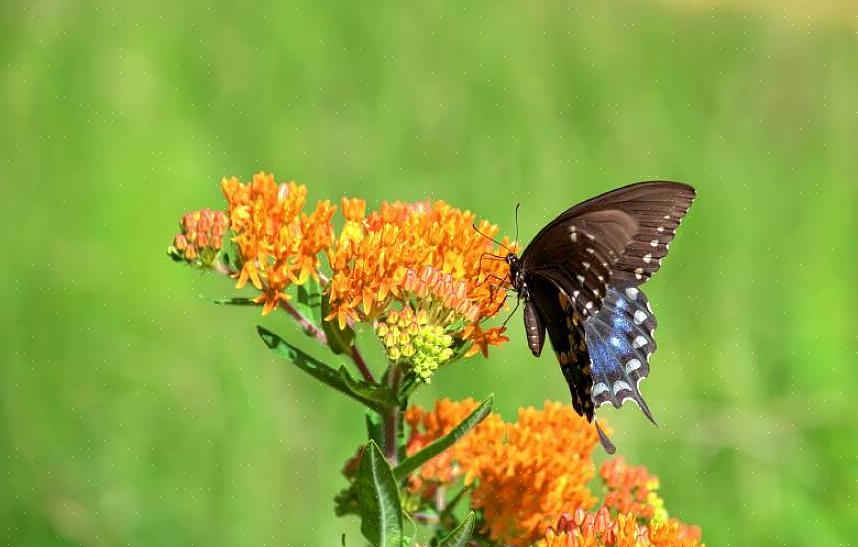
(524, 473)
(200, 237)
(631, 489)
(412, 341)
(420, 256)
(604, 529)
(278, 243)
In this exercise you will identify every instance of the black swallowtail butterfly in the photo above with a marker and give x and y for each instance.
(579, 280)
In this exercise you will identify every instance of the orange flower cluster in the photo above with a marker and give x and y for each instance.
(278, 242)
(631, 489)
(201, 237)
(602, 529)
(524, 473)
(426, 256)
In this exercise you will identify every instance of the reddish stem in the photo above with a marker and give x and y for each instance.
(305, 323)
(361, 365)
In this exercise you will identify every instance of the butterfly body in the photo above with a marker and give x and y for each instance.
(579, 280)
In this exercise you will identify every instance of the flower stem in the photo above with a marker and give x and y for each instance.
(390, 418)
(305, 323)
(361, 365)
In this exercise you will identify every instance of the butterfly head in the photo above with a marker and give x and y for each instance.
(516, 274)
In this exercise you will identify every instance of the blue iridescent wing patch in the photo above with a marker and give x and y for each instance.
(620, 341)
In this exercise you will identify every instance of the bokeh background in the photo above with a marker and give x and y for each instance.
(134, 412)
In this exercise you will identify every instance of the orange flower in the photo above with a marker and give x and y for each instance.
(601, 529)
(631, 489)
(201, 237)
(277, 241)
(425, 256)
(524, 474)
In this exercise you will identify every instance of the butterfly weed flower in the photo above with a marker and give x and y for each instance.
(420, 272)
(631, 489)
(278, 243)
(602, 528)
(200, 238)
(522, 474)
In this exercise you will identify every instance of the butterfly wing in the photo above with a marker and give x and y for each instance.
(554, 312)
(618, 237)
(620, 341)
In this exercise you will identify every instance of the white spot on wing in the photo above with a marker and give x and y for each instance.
(632, 365)
(660, 228)
(632, 293)
(647, 258)
(574, 237)
(639, 342)
(620, 385)
(653, 243)
(599, 388)
(640, 317)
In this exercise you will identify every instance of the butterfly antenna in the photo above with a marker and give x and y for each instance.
(517, 205)
(474, 226)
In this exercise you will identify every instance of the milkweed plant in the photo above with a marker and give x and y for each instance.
(421, 280)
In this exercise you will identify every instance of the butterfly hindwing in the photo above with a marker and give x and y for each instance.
(620, 341)
(566, 334)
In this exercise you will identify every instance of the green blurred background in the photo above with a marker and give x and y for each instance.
(134, 412)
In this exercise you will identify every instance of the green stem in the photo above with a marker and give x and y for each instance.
(390, 418)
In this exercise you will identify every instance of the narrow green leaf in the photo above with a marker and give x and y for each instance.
(380, 507)
(339, 340)
(374, 431)
(235, 301)
(319, 370)
(381, 396)
(310, 296)
(462, 534)
(406, 467)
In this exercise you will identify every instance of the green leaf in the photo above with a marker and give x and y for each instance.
(374, 430)
(310, 298)
(381, 396)
(339, 340)
(341, 381)
(235, 301)
(406, 467)
(462, 534)
(380, 507)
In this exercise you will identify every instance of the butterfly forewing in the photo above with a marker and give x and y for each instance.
(658, 209)
(623, 234)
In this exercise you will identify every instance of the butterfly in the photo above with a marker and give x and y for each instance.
(579, 279)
